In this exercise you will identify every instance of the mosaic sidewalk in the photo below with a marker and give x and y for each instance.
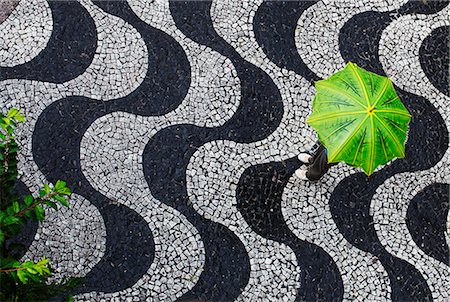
(177, 125)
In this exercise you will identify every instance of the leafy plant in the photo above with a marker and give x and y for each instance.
(359, 118)
(23, 280)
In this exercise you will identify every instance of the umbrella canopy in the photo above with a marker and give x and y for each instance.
(359, 118)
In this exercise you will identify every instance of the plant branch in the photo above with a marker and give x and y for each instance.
(38, 202)
(9, 270)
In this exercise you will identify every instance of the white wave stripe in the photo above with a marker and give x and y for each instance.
(292, 136)
(115, 169)
(66, 237)
(317, 32)
(389, 208)
(307, 213)
(25, 33)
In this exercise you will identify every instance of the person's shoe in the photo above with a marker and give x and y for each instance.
(305, 158)
(301, 174)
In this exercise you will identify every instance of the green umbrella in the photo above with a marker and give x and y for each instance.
(359, 118)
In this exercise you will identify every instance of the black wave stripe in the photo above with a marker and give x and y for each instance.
(258, 196)
(434, 55)
(129, 242)
(56, 144)
(69, 51)
(360, 36)
(427, 143)
(426, 219)
(274, 26)
(167, 155)
(423, 7)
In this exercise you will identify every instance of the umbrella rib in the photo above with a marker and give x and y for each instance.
(359, 147)
(397, 143)
(341, 92)
(383, 144)
(362, 83)
(372, 148)
(349, 138)
(392, 111)
(396, 126)
(386, 82)
(330, 116)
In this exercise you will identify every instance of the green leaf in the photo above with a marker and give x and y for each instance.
(40, 213)
(359, 118)
(13, 112)
(6, 122)
(28, 200)
(46, 189)
(16, 207)
(10, 211)
(59, 185)
(62, 200)
(22, 276)
(51, 204)
(64, 191)
(70, 299)
(2, 237)
(32, 271)
(10, 220)
(35, 278)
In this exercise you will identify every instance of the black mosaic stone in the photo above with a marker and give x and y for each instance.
(258, 196)
(69, 51)
(274, 26)
(426, 219)
(434, 56)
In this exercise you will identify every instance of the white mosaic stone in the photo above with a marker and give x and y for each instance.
(73, 239)
(317, 32)
(25, 33)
